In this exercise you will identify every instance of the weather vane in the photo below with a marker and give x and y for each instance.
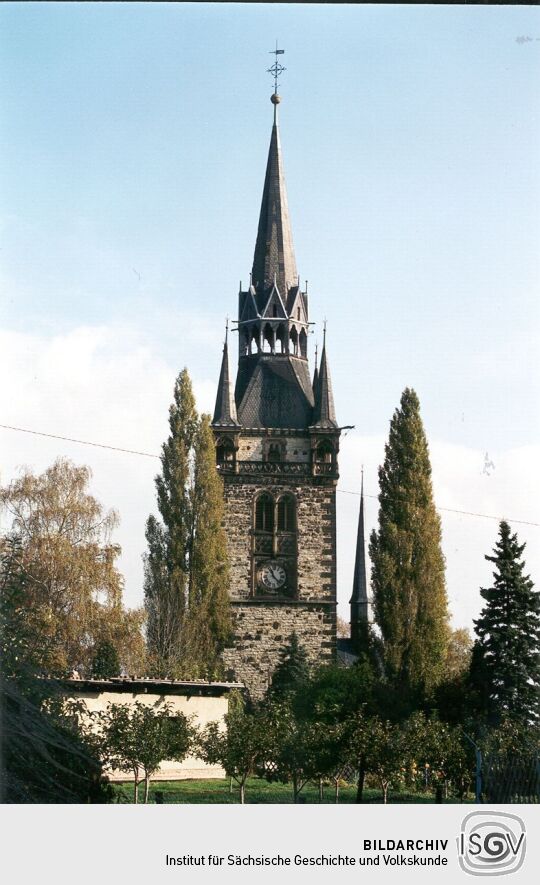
(276, 70)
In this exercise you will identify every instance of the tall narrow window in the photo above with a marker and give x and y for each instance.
(286, 515)
(264, 514)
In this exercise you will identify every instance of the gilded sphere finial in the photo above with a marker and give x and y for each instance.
(275, 98)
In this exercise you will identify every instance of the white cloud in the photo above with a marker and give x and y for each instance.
(106, 384)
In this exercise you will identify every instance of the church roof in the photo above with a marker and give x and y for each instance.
(225, 410)
(274, 252)
(325, 413)
(347, 655)
(275, 392)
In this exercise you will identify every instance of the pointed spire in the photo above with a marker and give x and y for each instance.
(359, 600)
(324, 413)
(274, 251)
(225, 410)
(316, 372)
(359, 593)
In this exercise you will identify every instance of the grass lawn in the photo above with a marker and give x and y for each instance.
(258, 791)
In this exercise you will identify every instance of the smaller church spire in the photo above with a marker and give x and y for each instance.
(359, 600)
(316, 372)
(225, 410)
(324, 412)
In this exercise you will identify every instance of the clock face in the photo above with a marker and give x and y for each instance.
(272, 575)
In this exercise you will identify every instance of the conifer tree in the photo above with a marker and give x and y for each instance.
(408, 579)
(106, 663)
(186, 575)
(291, 670)
(505, 667)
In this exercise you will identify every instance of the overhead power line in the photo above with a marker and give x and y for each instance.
(451, 510)
(85, 442)
(81, 442)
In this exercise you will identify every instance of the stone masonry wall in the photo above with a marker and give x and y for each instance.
(261, 630)
(316, 518)
(263, 626)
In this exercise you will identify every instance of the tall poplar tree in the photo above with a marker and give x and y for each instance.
(166, 563)
(208, 581)
(186, 575)
(408, 579)
(505, 667)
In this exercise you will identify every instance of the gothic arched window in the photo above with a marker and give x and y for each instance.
(274, 452)
(286, 514)
(224, 451)
(324, 452)
(264, 513)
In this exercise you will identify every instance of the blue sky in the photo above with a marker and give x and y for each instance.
(132, 156)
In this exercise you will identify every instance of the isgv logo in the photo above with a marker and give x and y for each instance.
(491, 843)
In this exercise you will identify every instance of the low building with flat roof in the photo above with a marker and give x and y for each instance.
(204, 701)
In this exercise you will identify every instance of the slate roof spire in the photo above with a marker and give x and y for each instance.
(324, 413)
(359, 600)
(274, 251)
(225, 410)
(316, 372)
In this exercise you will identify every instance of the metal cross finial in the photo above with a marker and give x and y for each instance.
(226, 329)
(324, 332)
(276, 70)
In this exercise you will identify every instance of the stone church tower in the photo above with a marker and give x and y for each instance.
(277, 441)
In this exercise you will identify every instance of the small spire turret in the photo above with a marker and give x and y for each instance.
(324, 412)
(225, 410)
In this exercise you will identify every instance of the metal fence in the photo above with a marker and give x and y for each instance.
(511, 779)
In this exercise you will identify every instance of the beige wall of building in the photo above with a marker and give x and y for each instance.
(203, 702)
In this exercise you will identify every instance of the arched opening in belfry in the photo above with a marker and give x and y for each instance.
(303, 343)
(253, 335)
(294, 341)
(247, 342)
(268, 339)
(280, 339)
(264, 513)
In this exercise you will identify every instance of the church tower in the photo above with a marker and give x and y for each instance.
(277, 442)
